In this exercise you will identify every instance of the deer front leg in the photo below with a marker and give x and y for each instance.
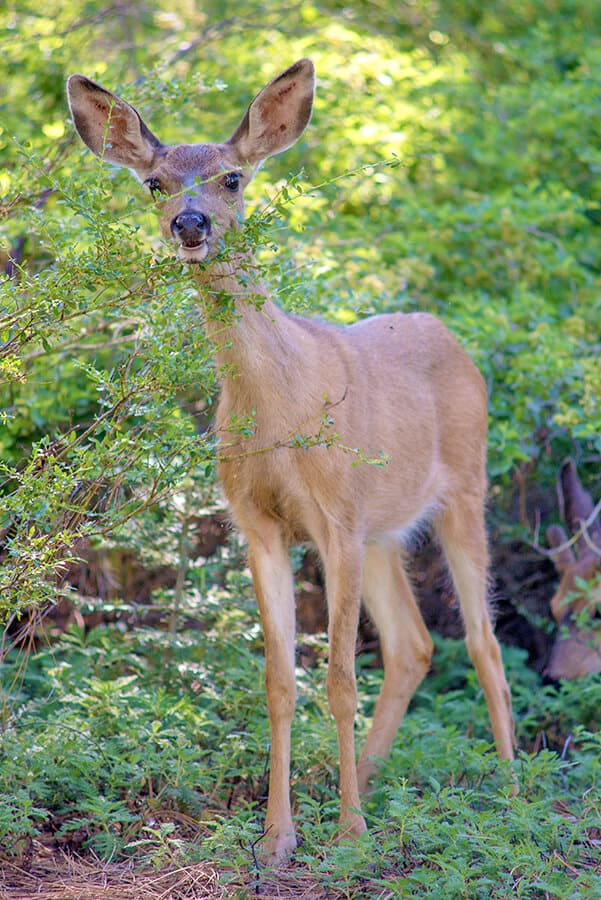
(273, 583)
(343, 586)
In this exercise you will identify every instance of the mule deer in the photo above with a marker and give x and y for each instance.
(577, 648)
(395, 383)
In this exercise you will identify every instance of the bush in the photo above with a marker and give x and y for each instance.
(489, 220)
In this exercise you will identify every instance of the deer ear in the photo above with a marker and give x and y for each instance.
(110, 127)
(565, 558)
(277, 116)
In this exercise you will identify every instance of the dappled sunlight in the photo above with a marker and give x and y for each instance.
(452, 166)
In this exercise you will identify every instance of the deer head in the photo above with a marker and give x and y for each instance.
(198, 188)
(577, 650)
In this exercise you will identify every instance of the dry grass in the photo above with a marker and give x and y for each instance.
(55, 875)
(59, 876)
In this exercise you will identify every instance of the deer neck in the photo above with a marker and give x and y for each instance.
(253, 340)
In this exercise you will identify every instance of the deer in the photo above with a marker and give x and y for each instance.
(577, 649)
(397, 384)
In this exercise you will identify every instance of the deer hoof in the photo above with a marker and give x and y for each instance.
(276, 851)
(351, 827)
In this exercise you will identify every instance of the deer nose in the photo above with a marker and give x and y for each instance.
(190, 227)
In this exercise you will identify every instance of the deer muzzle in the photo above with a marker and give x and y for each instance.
(191, 230)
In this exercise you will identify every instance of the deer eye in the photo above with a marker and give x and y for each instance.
(231, 181)
(154, 186)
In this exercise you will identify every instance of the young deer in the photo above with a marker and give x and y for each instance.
(395, 383)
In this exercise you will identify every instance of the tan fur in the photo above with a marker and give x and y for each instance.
(397, 385)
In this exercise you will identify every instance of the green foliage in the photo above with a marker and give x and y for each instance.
(452, 165)
(141, 743)
(488, 218)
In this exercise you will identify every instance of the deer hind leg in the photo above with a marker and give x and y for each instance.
(406, 649)
(342, 564)
(460, 528)
(273, 582)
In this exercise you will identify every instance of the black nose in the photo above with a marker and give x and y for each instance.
(191, 227)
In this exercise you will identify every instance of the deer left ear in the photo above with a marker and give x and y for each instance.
(277, 116)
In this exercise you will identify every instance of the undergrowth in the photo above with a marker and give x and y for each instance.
(136, 743)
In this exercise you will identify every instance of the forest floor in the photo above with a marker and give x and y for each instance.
(56, 875)
(44, 868)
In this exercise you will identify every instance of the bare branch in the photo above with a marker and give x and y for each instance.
(582, 532)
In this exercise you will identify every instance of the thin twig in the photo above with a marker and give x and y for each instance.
(583, 532)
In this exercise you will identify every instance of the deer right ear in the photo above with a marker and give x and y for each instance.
(110, 127)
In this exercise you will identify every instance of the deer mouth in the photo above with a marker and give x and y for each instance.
(191, 230)
(193, 253)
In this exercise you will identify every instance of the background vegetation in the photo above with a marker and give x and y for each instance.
(145, 740)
